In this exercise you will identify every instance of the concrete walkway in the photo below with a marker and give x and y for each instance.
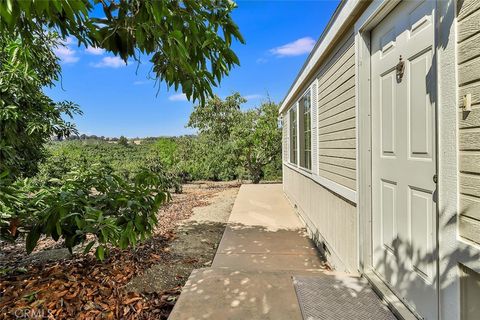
(263, 246)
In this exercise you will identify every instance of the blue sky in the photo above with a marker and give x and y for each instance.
(120, 100)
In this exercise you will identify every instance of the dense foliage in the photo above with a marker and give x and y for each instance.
(28, 118)
(126, 159)
(188, 42)
(256, 141)
(76, 194)
(89, 200)
(233, 143)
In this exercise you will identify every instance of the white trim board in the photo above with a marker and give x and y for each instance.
(344, 192)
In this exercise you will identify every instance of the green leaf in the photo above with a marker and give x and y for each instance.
(88, 247)
(32, 239)
(59, 228)
(99, 253)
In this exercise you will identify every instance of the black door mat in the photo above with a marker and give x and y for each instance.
(331, 297)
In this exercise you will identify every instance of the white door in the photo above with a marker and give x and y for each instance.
(403, 155)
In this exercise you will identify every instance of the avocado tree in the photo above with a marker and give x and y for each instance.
(232, 141)
(28, 117)
(188, 44)
(257, 139)
(123, 141)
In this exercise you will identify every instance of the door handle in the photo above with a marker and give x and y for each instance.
(400, 69)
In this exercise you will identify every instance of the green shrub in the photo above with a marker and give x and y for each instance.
(91, 200)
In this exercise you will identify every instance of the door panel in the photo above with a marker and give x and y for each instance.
(388, 114)
(420, 108)
(388, 214)
(403, 155)
(421, 227)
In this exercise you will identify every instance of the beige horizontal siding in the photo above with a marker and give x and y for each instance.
(343, 101)
(342, 162)
(335, 120)
(469, 71)
(338, 135)
(339, 153)
(469, 49)
(336, 116)
(468, 38)
(469, 119)
(469, 26)
(466, 8)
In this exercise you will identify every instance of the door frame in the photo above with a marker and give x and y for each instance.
(370, 18)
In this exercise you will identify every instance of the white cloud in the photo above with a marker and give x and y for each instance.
(95, 51)
(178, 97)
(253, 96)
(68, 41)
(295, 48)
(66, 54)
(110, 62)
(140, 82)
(261, 60)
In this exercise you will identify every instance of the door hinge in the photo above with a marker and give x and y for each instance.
(435, 179)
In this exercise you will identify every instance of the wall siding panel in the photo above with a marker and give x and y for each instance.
(336, 116)
(342, 162)
(330, 219)
(469, 26)
(344, 101)
(468, 38)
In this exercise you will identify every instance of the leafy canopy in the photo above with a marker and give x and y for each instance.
(28, 118)
(256, 139)
(188, 42)
(232, 140)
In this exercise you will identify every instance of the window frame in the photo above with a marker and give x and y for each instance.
(305, 132)
(293, 135)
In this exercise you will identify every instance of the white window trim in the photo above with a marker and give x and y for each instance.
(290, 150)
(341, 190)
(314, 125)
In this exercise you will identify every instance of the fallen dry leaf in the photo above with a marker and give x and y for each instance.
(81, 287)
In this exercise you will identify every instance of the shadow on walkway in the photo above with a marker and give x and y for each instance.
(263, 247)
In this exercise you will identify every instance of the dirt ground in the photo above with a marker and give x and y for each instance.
(194, 246)
(140, 283)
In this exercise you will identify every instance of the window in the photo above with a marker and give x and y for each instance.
(293, 135)
(305, 131)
